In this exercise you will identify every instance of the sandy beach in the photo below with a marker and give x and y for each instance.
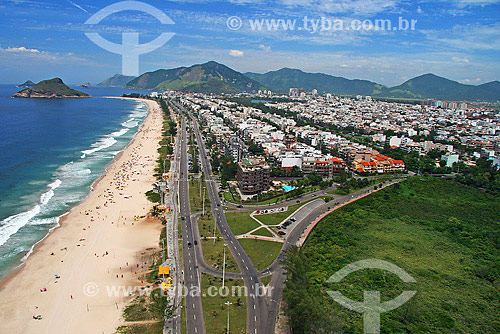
(100, 244)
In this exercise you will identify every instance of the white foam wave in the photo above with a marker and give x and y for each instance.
(128, 121)
(12, 224)
(131, 124)
(55, 184)
(101, 145)
(54, 220)
(44, 221)
(119, 133)
(45, 197)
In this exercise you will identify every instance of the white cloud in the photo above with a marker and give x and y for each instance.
(461, 60)
(472, 81)
(265, 48)
(236, 53)
(21, 49)
(471, 3)
(468, 37)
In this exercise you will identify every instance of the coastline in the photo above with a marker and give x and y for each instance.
(21, 287)
(12, 272)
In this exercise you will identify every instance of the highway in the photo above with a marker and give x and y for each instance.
(194, 309)
(256, 304)
(262, 311)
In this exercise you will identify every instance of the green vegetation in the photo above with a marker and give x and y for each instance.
(149, 328)
(195, 199)
(263, 231)
(152, 307)
(213, 251)
(446, 235)
(152, 196)
(352, 185)
(286, 78)
(261, 252)
(210, 77)
(117, 80)
(50, 88)
(266, 280)
(241, 222)
(214, 309)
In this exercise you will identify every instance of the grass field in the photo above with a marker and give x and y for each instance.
(195, 200)
(214, 309)
(261, 252)
(266, 280)
(444, 234)
(241, 222)
(263, 231)
(213, 252)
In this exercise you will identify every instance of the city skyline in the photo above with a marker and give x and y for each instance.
(457, 39)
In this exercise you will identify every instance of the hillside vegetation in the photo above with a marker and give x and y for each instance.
(445, 234)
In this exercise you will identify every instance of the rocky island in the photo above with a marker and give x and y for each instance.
(53, 88)
(27, 84)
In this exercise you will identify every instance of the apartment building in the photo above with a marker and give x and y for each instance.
(253, 175)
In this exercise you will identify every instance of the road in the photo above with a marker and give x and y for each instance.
(256, 304)
(193, 306)
(262, 311)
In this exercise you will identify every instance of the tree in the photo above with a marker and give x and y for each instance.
(255, 149)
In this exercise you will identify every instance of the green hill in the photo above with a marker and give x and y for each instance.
(210, 77)
(116, 80)
(53, 88)
(284, 79)
(433, 86)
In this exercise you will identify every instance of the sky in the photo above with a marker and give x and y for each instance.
(456, 39)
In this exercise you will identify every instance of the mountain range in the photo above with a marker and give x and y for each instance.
(215, 78)
(209, 77)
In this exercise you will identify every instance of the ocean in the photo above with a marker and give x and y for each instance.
(51, 151)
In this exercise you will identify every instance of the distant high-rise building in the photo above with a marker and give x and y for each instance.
(294, 92)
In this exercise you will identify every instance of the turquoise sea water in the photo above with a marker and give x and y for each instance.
(50, 153)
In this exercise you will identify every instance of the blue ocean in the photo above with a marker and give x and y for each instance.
(51, 151)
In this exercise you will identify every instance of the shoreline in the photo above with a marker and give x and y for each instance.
(60, 219)
(140, 151)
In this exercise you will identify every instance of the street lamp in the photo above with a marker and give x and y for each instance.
(228, 303)
(224, 266)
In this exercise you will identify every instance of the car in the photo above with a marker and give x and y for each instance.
(183, 218)
(240, 206)
(313, 195)
(218, 204)
(284, 227)
(189, 244)
(195, 242)
(293, 219)
(281, 233)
